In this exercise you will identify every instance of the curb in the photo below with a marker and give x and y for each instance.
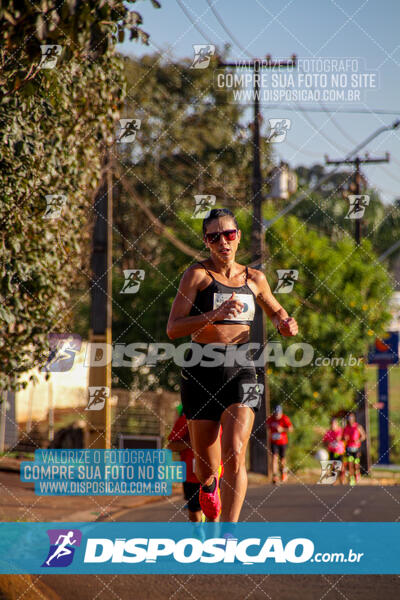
(9, 468)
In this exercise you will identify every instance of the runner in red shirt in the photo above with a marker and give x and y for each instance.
(354, 435)
(179, 441)
(333, 440)
(279, 425)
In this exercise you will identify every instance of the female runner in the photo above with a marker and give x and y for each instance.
(215, 304)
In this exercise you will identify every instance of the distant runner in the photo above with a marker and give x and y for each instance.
(353, 435)
(279, 425)
(179, 441)
(333, 440)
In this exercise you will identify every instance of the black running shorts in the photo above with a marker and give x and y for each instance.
(356, 453)
(207, 390)
(279, 449)
(335, 456)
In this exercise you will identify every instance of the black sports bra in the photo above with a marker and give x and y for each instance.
(216, 293)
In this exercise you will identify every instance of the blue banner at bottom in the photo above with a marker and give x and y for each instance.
(207, 548)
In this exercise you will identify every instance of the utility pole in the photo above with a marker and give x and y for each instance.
(356, 162)
(361, 395)
(101, 309)
(259, 456)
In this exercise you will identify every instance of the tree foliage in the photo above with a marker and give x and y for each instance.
(340, 301)
(54, 126)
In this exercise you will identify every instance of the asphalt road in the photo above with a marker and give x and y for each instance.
(263, 503)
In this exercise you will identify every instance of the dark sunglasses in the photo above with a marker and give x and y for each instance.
(213, 238)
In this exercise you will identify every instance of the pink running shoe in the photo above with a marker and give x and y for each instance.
(211, 502)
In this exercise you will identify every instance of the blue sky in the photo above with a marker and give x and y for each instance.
(363, 29)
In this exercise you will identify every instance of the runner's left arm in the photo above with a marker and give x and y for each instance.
(287, 325)
(288, 427)
(362, 432)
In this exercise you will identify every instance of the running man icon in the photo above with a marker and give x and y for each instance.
(133, 279)
(61, 553)
(357, 206)
(63, 348)
(129, 128)
(287, 279)
(202, 55)
(62, 549)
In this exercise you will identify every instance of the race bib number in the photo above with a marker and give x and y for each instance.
(276, 436)
(247, 313)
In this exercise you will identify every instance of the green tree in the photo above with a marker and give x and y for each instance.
(54, 125)
(340, 302)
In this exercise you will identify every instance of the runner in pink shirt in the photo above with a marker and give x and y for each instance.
(333, 440)
(353, 435)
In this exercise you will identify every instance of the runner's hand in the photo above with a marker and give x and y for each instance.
(288, 327)
(230, 308)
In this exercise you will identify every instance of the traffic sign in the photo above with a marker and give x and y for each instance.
(385, 350)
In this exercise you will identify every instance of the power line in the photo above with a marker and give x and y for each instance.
(299, 108)
(349, 111)
(389, 251)
(301, 150)
(342, 131)
(225, 28)
(194, 23)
